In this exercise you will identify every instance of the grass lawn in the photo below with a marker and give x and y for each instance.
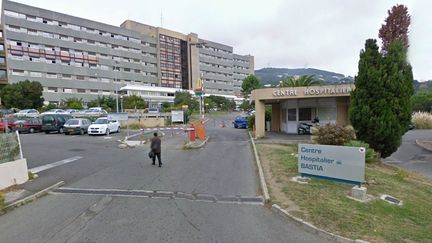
(324, 203)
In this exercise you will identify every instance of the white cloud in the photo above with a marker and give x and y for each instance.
(320, 34)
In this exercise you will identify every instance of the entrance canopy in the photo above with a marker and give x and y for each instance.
(293, 105)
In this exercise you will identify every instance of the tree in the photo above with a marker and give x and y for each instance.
(133, 102)
(166, 107)
(74, 103)
(245, 105)
(380, 108)
(220, 102)
(422, 101)
(185, 98)
(304, 80)
(22, 95)
(395, 27)
(250, 83)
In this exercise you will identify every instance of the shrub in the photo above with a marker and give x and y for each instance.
(371, 155)
(250, 122)
(422, 120)
(2, 202)
(333, 134)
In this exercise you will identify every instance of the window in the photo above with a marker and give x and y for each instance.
(292, 114)
(2, 74)
(81, 91)
(126, 69)
(52, 89)
(35, 74)
(67, 90)
(80, 77)
(32, 32)
(18, 72)
(94, 91)
(51, 75)
(2, 60)
(14, 28)
(66, 76)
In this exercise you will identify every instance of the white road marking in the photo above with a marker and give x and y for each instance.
(54, 164)
(107, 137)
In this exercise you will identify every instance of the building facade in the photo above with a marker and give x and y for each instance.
(75, 57)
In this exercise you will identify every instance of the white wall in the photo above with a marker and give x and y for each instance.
(13, 173)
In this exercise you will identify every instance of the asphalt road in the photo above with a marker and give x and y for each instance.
(99, 210)
(412, 157)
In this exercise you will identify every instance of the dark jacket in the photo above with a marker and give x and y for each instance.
(155, 145)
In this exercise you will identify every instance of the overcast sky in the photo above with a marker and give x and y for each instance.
(324, 34)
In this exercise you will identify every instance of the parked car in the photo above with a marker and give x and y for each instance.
(72, 111)
(54, 122)
(27, 113)
(6, 112)
(95, 111)
(76, 125)
(240, 122)
(103, 126)
(28, 125)
(153, 110)
(10, 122)
(55, 111)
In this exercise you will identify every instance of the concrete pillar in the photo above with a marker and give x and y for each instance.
(342, 110)
(276, 117)
(259, 119)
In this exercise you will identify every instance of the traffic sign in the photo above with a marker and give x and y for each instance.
(199, 93)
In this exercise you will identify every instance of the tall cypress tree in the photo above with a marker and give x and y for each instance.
(367, 100)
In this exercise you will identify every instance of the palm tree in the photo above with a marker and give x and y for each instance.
(304, 80)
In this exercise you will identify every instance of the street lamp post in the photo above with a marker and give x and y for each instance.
(197, 45)
(116, 87)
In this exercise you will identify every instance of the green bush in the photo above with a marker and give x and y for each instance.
(422, 120)
(371, 155)
(250, 122)
(2, 202)
(332, 134)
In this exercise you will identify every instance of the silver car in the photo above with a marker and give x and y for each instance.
(76, 126)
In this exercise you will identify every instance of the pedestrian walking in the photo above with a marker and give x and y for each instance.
(155, 147)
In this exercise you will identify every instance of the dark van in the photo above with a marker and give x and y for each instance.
(54, 122)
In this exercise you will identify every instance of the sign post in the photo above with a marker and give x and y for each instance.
(339, 163)
(177, 116)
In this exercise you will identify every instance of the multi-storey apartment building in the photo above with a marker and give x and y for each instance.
(75, 57)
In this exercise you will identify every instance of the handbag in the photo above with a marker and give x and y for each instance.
(151, 154)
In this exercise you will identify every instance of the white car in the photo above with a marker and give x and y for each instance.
(103, 126)
(55, 111)
(27, 113)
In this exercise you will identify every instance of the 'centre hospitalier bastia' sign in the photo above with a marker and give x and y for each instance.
(340, 163)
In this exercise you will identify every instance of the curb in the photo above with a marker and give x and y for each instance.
(311, 228)
(260, 171)
(422, 146)
(190, 146)
(33, 196)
